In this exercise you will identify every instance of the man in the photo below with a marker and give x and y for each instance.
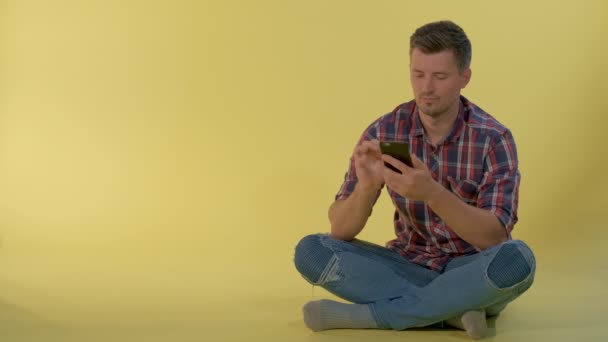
(453, 259)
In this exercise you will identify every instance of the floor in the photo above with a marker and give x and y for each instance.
(566, 303)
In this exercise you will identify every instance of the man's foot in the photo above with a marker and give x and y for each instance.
(473, 322)
(327, 314)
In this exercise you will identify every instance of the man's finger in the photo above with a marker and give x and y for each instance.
(396, 163)
(372, 146)
(389, 177)
(361, 149)
(417, 163)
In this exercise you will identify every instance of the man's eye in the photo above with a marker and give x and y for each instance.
(441, 77)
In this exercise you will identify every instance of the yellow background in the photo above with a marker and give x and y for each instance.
(159, 160)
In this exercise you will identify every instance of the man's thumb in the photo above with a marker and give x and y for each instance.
(418, 164)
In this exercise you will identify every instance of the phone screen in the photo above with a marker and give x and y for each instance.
(397, 150)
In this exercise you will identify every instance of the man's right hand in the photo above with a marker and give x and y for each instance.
(348, 216)
(369, 165)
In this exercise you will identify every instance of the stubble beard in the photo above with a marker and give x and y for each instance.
(435, 110)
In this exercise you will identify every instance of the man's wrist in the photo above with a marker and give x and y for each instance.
(366, 188)
(436, 194)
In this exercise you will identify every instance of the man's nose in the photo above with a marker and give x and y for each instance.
(428, 86)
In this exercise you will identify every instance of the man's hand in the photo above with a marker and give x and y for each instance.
(348, 216)
(415, 183)
(369, 166)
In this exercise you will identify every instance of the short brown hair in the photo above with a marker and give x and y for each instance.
(443, 35)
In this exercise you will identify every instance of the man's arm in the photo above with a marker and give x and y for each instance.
(482, 226)
(490, 221)
(348, 216)
(349, 213)
(479, 227)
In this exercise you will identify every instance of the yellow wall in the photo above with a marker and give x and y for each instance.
(163, 152)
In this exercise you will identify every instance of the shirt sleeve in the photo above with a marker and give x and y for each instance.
(499, 189)
(350, 177)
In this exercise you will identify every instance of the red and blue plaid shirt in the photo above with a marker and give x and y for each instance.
(477, 161)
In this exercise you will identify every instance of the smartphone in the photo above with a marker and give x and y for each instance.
(397, 150)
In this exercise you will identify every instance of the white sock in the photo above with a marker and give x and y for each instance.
(328, 314)
(473, 322)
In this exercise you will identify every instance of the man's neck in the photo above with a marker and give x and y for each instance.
(437, 128)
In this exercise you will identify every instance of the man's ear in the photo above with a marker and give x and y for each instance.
(466, 77)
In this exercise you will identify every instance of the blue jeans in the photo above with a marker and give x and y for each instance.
(404, 295)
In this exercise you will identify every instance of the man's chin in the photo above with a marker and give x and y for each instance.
(431, 111)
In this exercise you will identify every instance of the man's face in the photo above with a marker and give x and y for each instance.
(436, 81)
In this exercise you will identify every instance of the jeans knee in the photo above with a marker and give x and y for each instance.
(311, 257)
(513, 264)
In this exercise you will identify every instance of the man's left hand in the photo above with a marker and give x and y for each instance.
(415, 183)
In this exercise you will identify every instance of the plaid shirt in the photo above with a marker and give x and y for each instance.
(477, 162)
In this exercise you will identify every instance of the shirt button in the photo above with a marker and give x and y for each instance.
(437, 219)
